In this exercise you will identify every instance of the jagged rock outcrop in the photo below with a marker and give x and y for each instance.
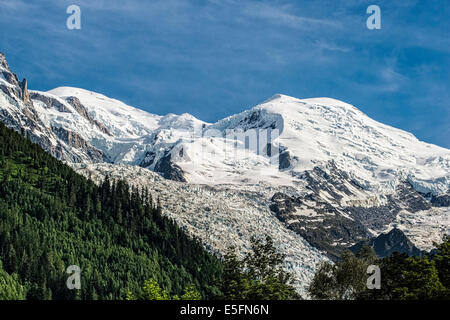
(3, 62)
(168, 169)
(13, 87)
(285, 160)
(377, 217)
(318, 222)
(387, 243)
(18, 112)
(441, 200)
(74, 140)
(25, 96)
(50, 102)
(255, 120)
(76, 104)
(332, 216)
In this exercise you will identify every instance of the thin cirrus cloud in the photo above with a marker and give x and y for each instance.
(281, 16)
(214, 58)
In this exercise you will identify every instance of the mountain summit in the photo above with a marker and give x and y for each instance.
(84, 126)
(315, 170)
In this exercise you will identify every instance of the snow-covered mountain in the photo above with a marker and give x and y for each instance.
(325, 171)
(316, 131)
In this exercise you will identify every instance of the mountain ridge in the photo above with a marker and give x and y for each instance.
(318, 168)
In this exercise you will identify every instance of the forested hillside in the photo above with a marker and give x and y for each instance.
(51, 218)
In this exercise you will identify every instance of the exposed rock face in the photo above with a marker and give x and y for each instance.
(441, 200)
(3, 62)
(71, 138)
(387, 243)
(284, 156)
(333, 216)
(49, 102)
(318, 222)
(15, 88)
(76, 104)
(11, 78)
(164, 165)
(377, 217)
(24, 91)
(255, 121)
(27, 119)
(148, 160)
(22, 114)
(74, 140)
(168, 169)
(284, 160)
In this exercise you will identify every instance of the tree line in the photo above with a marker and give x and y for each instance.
(51, 218)
(403, 277)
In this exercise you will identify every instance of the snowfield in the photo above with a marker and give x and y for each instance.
(313, 132)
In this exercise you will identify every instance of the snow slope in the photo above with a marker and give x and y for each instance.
(124, 133)
(316, 131)
(310, 131)
(123, 121)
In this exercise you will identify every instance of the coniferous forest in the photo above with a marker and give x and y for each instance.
(52, 217)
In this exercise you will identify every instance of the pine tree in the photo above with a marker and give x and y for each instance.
(258, 276)
(10, 287)
(191, 293)
(344, 280)
(152, 291)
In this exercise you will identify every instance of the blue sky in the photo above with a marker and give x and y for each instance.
(216, 58)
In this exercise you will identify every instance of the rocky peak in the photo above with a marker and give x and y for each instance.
(18, 89)
(387, 243)
(3, 62)
(5, 71)
(24, 91)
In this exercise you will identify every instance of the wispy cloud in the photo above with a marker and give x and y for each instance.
(331, 46)
(281, 15)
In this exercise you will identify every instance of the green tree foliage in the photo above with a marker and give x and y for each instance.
(323, 285)
(419, 280)
(51, 218)
(402, 277)
(152, 291)
(258, 276)
(442, 263)
(10, 287)
(191, 293)
(345, 279)
(408, 278)
(232, 284)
